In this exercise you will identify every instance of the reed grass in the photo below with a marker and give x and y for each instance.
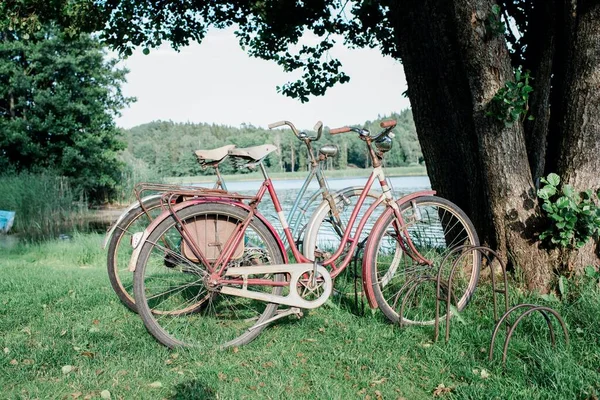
(45, 205)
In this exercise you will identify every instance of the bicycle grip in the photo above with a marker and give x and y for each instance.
(277, 124)
(336, 131)
(390, 123)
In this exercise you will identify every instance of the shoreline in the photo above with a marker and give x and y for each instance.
(329, 174)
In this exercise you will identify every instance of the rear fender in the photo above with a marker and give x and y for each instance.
(178, 207)
(366, 266)
(132, 207)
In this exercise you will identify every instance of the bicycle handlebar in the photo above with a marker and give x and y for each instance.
(337, 131)
(318, 127)
(387, 125)
(390, 123)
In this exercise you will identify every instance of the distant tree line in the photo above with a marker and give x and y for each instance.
(167, 147)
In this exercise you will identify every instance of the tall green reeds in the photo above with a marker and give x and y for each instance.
(45, 205)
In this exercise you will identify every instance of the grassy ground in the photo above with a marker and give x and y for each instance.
(63, 334)
(346, 173)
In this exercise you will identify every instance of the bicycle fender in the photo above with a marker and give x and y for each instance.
(113, 227)
(366, 267)
(139, 241)
(312, 229)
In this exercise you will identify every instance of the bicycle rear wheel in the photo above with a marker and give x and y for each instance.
(120, 250)
(435, 226)
(174, 295)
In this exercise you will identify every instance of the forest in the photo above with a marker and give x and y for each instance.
(167, 147)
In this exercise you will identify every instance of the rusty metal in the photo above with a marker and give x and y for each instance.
(511, 328)
(489, 255)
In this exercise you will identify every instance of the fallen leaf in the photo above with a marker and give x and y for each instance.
(88, 354)
(156, 384)
(378, 395)
(484, 374)
(13, 362)
(95, 322)
(235, 349)
(6, 350)
(94, 329)
(579, 330)
(99, 372)
(67, 369)
(28, 361)
(76, 395)
(321, 330)
(222, 376)
(105, 394)
(308, 340)
(441, 389)
(268, 364)
(63, 332)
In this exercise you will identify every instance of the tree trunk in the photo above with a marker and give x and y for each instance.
(453, 69)
(539, 55)
(578, 160)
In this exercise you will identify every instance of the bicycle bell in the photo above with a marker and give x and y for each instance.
(384, 143)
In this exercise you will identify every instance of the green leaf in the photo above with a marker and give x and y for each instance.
(551, 297)
(553, 179)
(457, 315)
(562, 286)
(590, 271)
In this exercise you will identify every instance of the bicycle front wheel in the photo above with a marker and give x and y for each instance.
(178, 301)
(404, 256)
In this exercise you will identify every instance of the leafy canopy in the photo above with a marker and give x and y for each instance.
(58, 97)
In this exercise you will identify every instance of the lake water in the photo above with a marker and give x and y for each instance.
(287, 190)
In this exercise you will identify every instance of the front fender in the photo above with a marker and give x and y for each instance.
(138, 242)
(366, 265)
(113, 227)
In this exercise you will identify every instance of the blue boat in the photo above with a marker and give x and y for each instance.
(7, 218)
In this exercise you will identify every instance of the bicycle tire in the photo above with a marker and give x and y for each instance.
(186, 326)
(121, 279)
(434, 234)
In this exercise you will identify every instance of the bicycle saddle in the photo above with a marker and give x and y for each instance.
(214, 154)
(329, 150)
(255, 153)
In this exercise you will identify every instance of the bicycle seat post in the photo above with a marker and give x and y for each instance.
(263, 170)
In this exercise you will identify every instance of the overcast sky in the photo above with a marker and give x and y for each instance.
(216, 82)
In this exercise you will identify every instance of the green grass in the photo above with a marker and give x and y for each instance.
(346, 173)
(57, 309)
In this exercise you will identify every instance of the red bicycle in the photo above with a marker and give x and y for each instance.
(213, 272)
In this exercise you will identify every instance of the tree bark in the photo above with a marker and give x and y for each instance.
(453, 69)
(437, 88)
(539, 55)
(578, 160)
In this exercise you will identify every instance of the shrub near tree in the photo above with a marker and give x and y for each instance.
(58, 98)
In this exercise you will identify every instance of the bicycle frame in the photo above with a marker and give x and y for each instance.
(219, 275)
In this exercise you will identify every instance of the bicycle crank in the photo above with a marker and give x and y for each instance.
(309, 286)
